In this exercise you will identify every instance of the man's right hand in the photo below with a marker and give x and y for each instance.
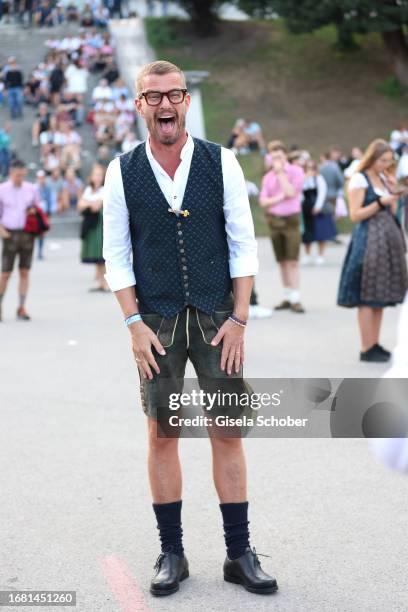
(4, 233)
(143, 338)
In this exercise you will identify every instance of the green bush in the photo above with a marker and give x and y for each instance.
(161, 33)
(392, 88)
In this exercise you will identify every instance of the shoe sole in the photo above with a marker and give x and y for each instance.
(380, 359)
(164, 592)
(375, 360)
(258, 591)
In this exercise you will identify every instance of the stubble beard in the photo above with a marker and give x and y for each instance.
(180, 122)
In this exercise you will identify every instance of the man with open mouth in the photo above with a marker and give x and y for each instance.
(181, 256)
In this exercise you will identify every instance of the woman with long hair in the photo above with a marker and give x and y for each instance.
(90, 206)
(374, 273)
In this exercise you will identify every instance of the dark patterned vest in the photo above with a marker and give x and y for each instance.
(178, 260)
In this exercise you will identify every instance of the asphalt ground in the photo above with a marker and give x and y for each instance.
(76, 510)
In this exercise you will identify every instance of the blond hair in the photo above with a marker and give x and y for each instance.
(374, 151)
(276, 145)
(95, 167)
(160, 68)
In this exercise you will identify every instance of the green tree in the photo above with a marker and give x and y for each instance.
(204, 15)
(389, 17)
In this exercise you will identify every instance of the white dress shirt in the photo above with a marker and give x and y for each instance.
(117, 248)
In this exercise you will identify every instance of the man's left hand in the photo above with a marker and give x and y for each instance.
(232, 336)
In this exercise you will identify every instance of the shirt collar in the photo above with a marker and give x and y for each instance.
(186, 151)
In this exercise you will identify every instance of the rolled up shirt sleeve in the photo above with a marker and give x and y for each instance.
(243, 258)
(117, 246)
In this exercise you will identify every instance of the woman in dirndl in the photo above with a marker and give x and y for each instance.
(374, 273)
(318, 223)
(90, 206)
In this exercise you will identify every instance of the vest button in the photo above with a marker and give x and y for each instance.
(179, 224)
(186, 285)
(183, 259)
(181, 250)
(187, 293)
(184, 267)
(181, 241)
(180, 233)
(185, 277)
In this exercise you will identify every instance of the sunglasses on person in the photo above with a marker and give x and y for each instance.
(154, 98)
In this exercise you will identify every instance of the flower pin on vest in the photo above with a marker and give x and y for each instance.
(183, 213)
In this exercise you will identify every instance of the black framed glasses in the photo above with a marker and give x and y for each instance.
(154, 98)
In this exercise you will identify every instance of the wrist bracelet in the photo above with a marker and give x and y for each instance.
(237, 321)
(132, 319)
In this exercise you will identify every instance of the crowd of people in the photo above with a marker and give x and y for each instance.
(49, 13)
(302, 199)
(59, 91)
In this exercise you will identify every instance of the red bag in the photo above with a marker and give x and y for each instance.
(37, 221)
(90, 117)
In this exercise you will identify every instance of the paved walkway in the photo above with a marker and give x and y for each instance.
(76, 510)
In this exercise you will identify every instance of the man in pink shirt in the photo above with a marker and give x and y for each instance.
(281, 198)
(16, 195)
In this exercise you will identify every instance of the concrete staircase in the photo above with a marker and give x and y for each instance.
(65, 225)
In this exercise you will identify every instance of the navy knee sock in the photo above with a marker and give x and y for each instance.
(236, 533)
(169, 525)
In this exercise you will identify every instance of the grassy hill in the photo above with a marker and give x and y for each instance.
(299, 88)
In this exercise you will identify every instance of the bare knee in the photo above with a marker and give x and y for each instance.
(159, 444)
(24, 272)
(226, 445)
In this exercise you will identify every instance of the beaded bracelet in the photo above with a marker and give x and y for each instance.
(237, 321)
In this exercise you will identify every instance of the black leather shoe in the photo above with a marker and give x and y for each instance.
(171, 570)
(247, 571)
(382, 350)
(374, 355)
